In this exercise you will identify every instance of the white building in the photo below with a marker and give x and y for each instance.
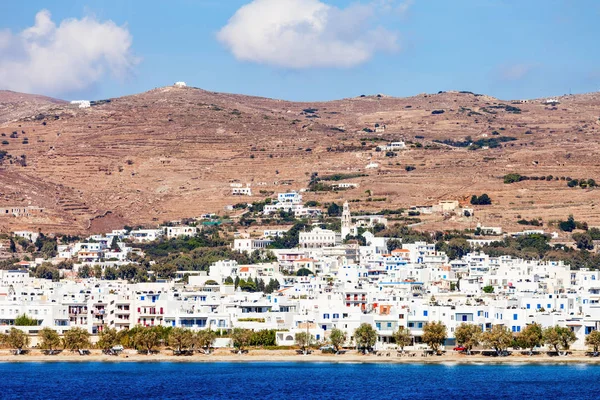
(241, 191)
(177, 231)
(145, 235)
(289, 198)
(393, 146)
(249, 245)
(345, 185)
(31, 236)
(318, 238)
(82, 103)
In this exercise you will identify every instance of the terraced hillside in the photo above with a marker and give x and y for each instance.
(172, 153)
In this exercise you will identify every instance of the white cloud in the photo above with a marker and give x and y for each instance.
(392, 6)
(70, 57)
(306, 33)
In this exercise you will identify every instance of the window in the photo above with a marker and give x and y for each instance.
(549, 306)
(378, 325)
(562, 306)
(389, 324)
(401, 316)
(425, 313)
(420, 325)
(515, 317)
(411, 324)
(325, 316)
(539, 306)
(528, 306)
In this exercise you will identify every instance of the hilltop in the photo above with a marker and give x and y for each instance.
(15, 105)
(172, 153)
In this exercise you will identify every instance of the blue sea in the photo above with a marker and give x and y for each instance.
(289, 381)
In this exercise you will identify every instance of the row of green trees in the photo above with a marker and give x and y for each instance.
(73, 339)
(500, 338)
(365, 337)
(146, 339)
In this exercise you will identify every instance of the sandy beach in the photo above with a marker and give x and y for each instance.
(225, 355)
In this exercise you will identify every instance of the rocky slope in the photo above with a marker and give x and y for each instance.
(173, 152)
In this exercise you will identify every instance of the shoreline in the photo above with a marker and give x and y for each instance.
(275, 356)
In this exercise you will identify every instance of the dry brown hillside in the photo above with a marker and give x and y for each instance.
(15, 105)
(172, 152)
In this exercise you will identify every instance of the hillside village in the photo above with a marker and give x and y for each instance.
(330, 271)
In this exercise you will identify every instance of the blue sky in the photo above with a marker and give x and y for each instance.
(511, 49)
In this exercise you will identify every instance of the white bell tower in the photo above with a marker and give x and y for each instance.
(346, 221)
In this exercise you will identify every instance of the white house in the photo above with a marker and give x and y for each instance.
(249, 245)
(241, 191)
(82, 103)
(145, 235)
(290, 198)
(489, 230)
(177, 231)
(32, 236)
(393, 146)
(345, 185)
